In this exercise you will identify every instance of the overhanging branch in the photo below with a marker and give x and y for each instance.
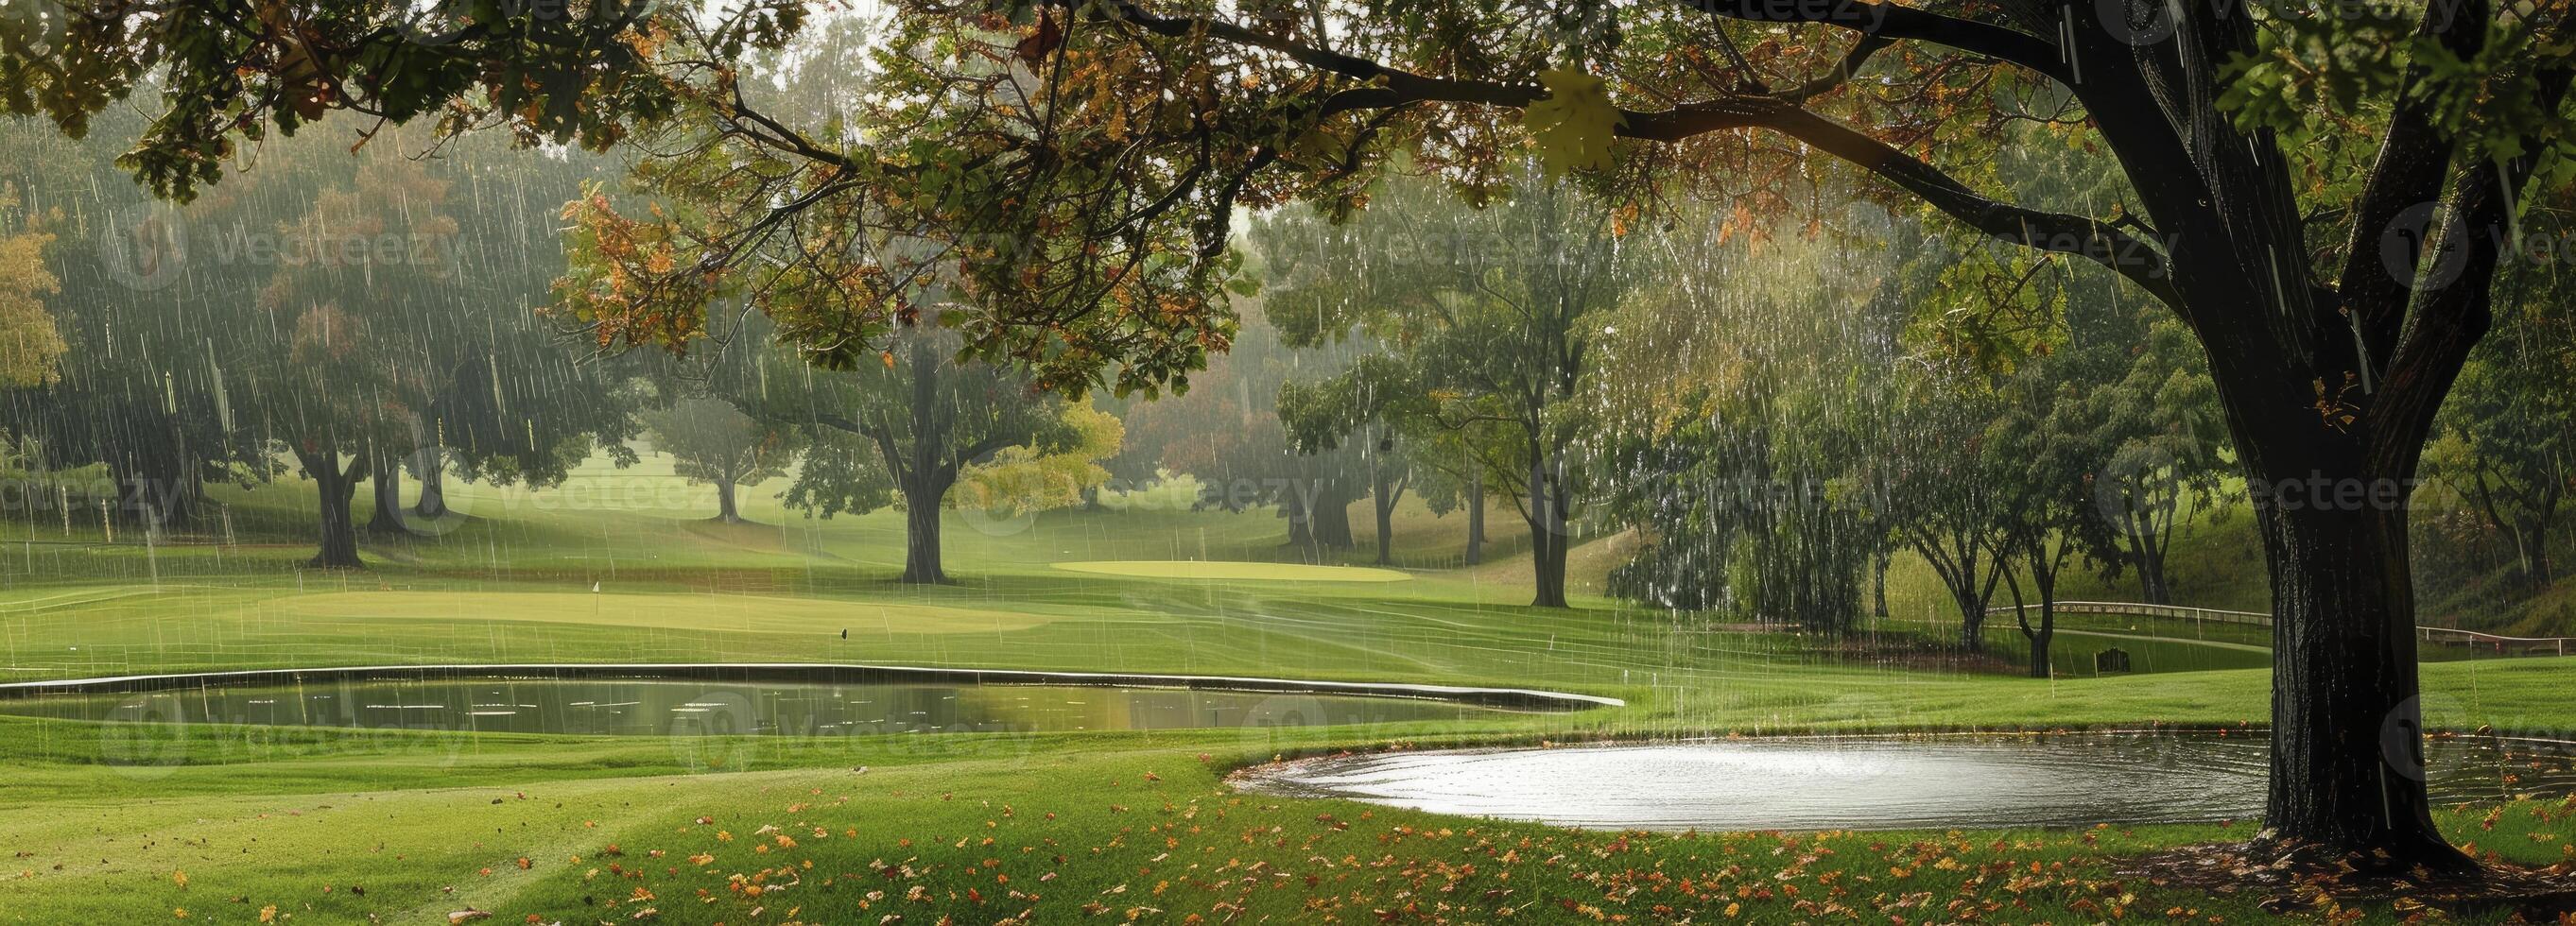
(2093, 239)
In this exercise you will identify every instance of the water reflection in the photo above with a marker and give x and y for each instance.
(1935, 782)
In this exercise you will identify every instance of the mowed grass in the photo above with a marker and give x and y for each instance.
(111, 824)
(1234, 571)
(673, 610)
(1112, 828)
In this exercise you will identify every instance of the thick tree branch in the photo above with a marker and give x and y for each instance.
(2413, 159)
(1887, 22)
(2447, 322)
(2092, 239)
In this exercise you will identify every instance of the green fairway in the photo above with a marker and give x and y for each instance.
(1237, 572)
(744, 613)
(113, 823)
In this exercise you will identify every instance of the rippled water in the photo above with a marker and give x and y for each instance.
(1933, 782)
(657, 707)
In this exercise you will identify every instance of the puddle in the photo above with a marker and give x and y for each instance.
(1846, 782)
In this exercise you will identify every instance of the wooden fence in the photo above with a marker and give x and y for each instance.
(2436, 636)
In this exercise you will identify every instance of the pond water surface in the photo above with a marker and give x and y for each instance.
(712, 707)
(1849, 782)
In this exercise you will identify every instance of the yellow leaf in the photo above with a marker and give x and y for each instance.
(1573, 126)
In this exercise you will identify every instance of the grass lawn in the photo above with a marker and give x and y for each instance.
(1235, 572)
(241, 824)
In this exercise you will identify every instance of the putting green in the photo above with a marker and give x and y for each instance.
(759, 613)
(1265, 572)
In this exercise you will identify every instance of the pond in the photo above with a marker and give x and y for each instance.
(725, 700)
(1880, 782)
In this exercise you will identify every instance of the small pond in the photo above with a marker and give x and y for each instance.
(875, 701)
(1860, 782)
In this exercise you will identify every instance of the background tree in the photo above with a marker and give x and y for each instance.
(1024, 479)
(713, 443)
(2046, 458)
(30, 346)
(1487, 310)
(1365, 406)
(1743, 415)
(2158, 421)
(164, 302)
(908, 428)
(1450, 473)
(352, 377)
(1949, 493)
(1226, 434)
(506, 399)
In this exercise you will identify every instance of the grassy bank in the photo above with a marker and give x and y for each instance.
(236, 824)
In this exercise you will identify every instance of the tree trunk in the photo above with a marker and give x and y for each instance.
(928, 472)
(1972, 621)
(1385, 533)
(155, 487)
(2147, 545)
(1330, 518)
(2531, 551)
(921, 536)
(2543, 571)
(386, 483)
(725, 510)
(1476, 519)
(1387, 490)
(1547, 555)
(1301, 524)
(1878, 584)
(1548, 534)
(339, 491)
(2347, 727)
(433, 485)
(2043, 580)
